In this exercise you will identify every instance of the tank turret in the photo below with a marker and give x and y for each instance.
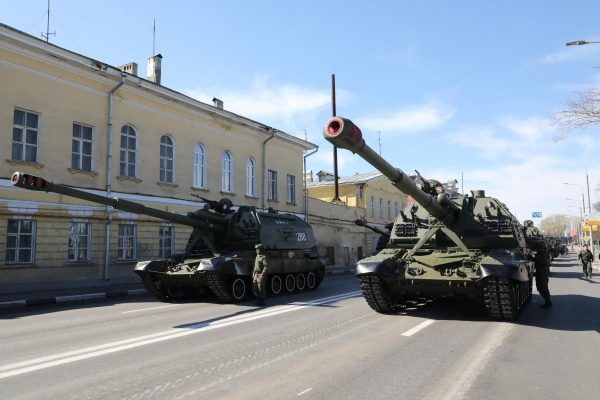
(384, 234)
(219, 254)
(441, 245)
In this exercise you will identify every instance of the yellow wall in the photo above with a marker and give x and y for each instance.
(64, 92)
(379, 188)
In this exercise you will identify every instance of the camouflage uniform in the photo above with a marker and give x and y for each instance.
(586, 258)
(259, 277)
(536, 242)
(542, 274)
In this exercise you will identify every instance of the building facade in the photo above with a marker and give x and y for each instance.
(378, 201)
(91, 126)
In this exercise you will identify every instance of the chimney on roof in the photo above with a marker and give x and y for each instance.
(154, 67)
(130, 68)
(217, 103)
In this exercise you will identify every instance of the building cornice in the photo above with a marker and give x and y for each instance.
(30, 46)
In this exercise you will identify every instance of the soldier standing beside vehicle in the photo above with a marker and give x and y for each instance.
(259, 275)
(537, 243)
(586, 257)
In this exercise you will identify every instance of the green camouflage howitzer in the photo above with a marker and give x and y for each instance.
(220, 253)
(467, 245)
(384, 234)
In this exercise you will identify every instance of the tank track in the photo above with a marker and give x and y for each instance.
(149, 285)
(378, 296)
(218, 286)
(504, 298)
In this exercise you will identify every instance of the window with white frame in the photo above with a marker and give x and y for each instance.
(291, 189)
(199, 166)
(166, 241)
(25, 138)
(380, 207)
(250, 177)
(128, 151)
(20, 241)
(389, 204)
(79, 242)
(167, 156)
(372, 206)
(81, 147)
(227, 172)
(272, 181)
(127, 240)
(396, 210)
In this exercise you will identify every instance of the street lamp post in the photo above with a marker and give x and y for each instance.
(578, 43)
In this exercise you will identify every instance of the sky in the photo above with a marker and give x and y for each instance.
(455, 89)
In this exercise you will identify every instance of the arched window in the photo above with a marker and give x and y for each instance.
(199, 166)
(167, 157)
(227, 172)
(128, 151)
(251, 177)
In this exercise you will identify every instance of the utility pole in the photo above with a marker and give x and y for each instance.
(48, 33)
(587, 180)
(336, 197)
(379, 140)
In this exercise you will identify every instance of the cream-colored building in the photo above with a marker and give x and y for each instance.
(371, 191)
(92, 126)
(371, 194)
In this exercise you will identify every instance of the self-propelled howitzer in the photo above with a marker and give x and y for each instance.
(442, 246)
(220, 253)
(384, 234)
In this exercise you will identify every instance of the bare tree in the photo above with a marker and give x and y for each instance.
(558, 224)
(581, 112)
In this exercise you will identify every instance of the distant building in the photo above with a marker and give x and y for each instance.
(371, 191)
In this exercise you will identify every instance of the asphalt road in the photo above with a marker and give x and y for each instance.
(326, 344)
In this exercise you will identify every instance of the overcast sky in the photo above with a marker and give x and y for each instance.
(452, 88)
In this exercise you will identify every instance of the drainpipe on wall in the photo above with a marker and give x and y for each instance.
(305, 188)
(264, 164)
(109, 173)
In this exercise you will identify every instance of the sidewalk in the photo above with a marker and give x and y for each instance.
(90, 290)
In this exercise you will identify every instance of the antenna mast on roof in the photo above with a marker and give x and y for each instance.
(154, 38)
(48, 33)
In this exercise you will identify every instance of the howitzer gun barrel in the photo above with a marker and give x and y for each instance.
(375, 229)
(342, 133)
(32, 182)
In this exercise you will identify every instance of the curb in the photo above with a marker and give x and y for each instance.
(12, 304)
(341, 271)
(67, 299)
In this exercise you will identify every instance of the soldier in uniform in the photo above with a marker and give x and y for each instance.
(536, 242)
(259, 275)
(586, 257)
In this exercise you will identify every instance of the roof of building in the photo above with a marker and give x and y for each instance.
(26, 43)
(349, 180)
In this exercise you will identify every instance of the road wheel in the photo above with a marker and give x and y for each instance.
(276, 284)
(238, 288)
(290, 283)
(311, 280)
(300, 281)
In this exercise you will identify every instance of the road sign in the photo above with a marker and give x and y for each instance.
(536, 214)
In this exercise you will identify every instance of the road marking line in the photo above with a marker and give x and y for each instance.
(306, 391)
(151, 308)
(200, 327)
(418, 328)
(475, 363)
